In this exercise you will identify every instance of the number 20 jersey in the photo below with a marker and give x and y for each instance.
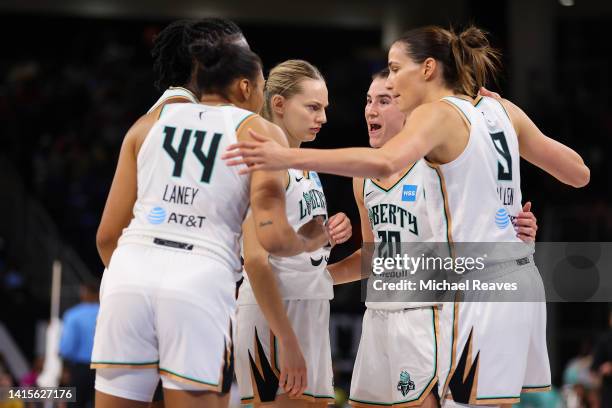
(185, 192)
(397, 215)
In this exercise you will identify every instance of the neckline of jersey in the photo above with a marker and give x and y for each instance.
(386, 190)
(195, 98)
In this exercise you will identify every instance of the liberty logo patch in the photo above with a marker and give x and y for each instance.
(409, 192)
(405, 384)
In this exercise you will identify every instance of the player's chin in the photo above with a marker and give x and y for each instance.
(310, 136)
(375, 141)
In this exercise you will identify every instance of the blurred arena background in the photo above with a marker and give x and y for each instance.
(74, 75)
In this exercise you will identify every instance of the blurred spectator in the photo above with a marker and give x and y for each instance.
(6, 380)
(579, 386)
(602, 366)
(29, 380)
(550, 399)
(77, 342)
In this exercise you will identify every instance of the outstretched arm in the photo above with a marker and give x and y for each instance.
(426, 128)
(553, 157)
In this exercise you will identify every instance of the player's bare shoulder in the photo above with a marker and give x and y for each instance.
(263, 127)
(358, 184)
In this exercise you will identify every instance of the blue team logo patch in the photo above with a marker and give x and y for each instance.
(502, 219)
(157, 215)
(409, 192)
(314, 176)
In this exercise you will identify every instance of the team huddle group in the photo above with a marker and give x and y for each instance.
(212, 188)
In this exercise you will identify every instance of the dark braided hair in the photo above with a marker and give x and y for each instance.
(172, 60)
(218, 63)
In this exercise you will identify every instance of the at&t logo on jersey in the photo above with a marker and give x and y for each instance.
(409, 192)
(157, 215)
(502, 218)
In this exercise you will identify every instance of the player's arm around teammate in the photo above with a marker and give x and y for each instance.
(349, 269)
(432, 129)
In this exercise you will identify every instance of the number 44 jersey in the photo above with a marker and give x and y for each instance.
(186, 193)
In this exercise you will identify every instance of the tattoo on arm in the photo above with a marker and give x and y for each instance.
(265, 223)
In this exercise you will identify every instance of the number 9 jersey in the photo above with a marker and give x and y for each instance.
(481, 188)
(185, 192)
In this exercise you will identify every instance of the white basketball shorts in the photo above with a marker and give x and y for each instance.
(170, 309)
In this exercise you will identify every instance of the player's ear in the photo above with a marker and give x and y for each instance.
(428, 68)
(278, 104)
(246, 88)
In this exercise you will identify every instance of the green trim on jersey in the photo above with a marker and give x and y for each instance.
(319, 396)
(363, 189)
(396, 183)
(458, 107)
(276, 355)
(444, 202)
(527, 387)
(500, 397)
(243, 119)
(288, 180)
(504, 109)
(124, 363)
(162, 110)
(192, 96)
(188, 378)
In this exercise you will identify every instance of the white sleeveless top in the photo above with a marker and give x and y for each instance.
(399, 214)
(302, 276)
(185, 192)
(174, 92)
(481, 188)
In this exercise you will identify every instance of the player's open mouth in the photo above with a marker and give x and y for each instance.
(374, 127)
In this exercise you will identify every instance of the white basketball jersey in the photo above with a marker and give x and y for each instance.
(174, 92)
(302, 276)
(399, 215)
(185, 192)
(481, 188)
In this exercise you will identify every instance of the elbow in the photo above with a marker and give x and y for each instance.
(274, 246)
(279, 249)
(581, 177)
(105, 240)
(253, 264)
